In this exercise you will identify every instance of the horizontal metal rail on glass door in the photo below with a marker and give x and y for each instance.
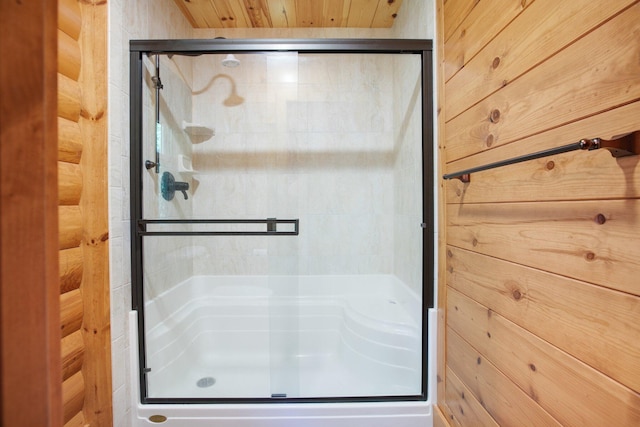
(157, 227)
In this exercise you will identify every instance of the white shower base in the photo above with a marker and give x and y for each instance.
(307, 336)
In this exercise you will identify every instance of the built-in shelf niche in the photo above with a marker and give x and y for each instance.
(185, 165)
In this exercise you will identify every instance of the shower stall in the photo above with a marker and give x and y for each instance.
(282, 230)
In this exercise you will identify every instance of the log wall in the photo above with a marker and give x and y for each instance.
(82, 211)
(539, 260)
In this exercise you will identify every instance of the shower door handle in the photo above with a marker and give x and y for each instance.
(217, 227)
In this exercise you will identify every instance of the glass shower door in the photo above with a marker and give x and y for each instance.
(219, 239)
(281, 226)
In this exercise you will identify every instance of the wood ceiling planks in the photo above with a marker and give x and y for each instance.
(289, 13)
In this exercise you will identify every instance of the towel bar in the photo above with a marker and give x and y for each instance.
(625, 145)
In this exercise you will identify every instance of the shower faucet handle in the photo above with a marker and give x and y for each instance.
(169, 186)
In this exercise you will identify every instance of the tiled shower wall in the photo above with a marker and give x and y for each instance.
(407, 171)
(167, 261)
(314, 140)
(161, 19)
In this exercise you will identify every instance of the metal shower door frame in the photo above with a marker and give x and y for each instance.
(191, 47)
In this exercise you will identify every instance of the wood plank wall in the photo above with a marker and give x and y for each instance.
(540, 260)
(83, 228)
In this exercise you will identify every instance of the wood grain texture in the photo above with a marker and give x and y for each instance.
(96, 326)
(282, 13)
(599, 72)
(69, 98)
(69, 19)
(564, 312)
(290, 13)
(466, 409)
(72, 354)
(539, 32)
(507, 404)
(335, 14)
(69, 141)
(584, 396)
(69, 227)
(454, 12)
(477, 30)
(68, 56)
(231, 14)
(441, 201)
(30, 390)
(73, 396)
(191, 11)
(77, 421)
(560, 237)
(560, 177)
(541, 255)
(69, 183)
(70, 216)
(258, 13)
(361, 13)
(71, 262)
(439, 418)
(70, 312)
(386, 13)
(309, 14)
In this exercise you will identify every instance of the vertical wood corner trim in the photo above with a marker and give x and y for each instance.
(95, 286)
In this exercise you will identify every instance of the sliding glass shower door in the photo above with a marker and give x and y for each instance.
(278, 210)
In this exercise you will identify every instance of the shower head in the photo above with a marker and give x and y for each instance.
(230, 61)
(234, 99)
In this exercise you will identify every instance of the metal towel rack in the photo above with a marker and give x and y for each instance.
(625, 145)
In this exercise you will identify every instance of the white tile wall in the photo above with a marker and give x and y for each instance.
(146, 19)
(301, 147)
(166, 262)
(408, 171)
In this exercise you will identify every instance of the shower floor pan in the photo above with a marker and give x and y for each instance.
(307, 336)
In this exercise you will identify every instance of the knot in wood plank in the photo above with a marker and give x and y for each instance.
(494, 117)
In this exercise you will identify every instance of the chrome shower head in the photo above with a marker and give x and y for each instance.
(230, 61)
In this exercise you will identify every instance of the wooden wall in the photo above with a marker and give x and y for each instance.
(82, 198)
(539, 260)
(29, 312)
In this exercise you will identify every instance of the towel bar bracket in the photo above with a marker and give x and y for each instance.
(622, 146)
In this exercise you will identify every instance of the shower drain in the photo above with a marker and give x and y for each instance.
(206, 382)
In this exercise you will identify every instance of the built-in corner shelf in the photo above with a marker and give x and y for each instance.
(197, 130)
(185, 165)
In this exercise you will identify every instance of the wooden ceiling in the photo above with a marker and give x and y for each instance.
(289, 13)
